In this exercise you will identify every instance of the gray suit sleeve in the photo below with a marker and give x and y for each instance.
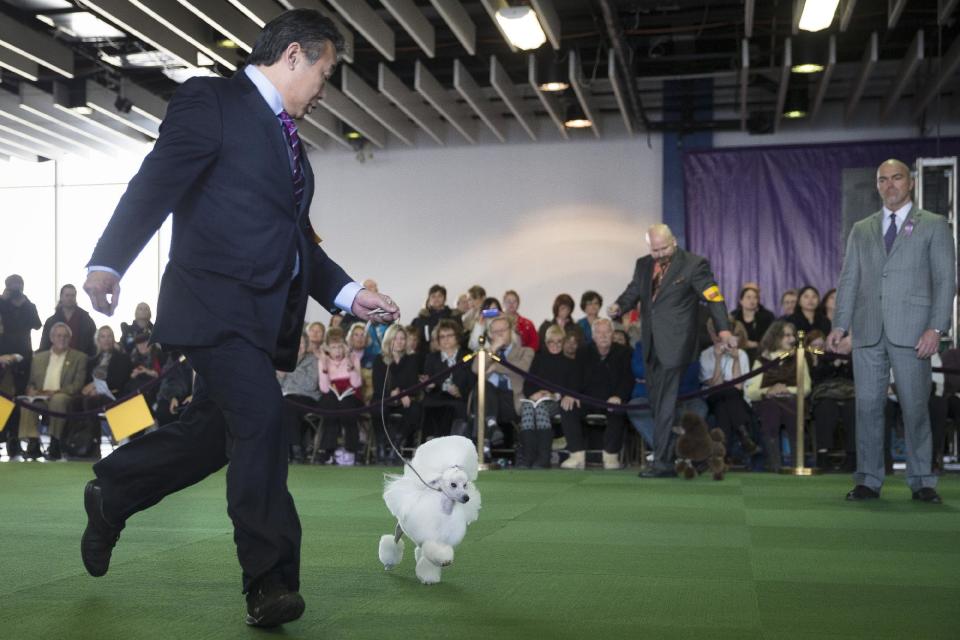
(631, 295)
(848, 285)
(943, 266)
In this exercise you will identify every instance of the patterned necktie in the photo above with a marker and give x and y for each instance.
(891, 233)
(294, 139)
(658, 271)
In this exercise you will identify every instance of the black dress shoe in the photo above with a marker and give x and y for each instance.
(657, 473)
(862, 492)
(53, 451)
(100, 536)
(270, 603)
(927, 494)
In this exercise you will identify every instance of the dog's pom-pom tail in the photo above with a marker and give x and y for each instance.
(391, 551)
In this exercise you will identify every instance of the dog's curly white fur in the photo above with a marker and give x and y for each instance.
(435, 517)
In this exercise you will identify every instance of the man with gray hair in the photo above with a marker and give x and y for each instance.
(56, 378)
(895, 298)
(670, 285)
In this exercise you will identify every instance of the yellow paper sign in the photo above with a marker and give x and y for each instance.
(6, 408)
(713, 294)
(130, 417)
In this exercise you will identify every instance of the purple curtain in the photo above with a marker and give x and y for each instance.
(775, 215)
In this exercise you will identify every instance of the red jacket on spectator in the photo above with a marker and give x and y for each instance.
(528, 333)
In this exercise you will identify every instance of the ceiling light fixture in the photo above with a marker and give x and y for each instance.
(521, 26)
(575, 118)
(550, 74)
(817, 14)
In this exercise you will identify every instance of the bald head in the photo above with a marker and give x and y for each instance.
(894, 184)
(661, 242)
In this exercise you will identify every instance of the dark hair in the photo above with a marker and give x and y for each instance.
(437, 288)
(446, 324)
(804, 290)
(487, 302)
(788, 292)
(589, 296)
(511, 292)
(65, 287)
(822, 307)
(744, 291)
(476, 291)
(562, 300)
(308, 27)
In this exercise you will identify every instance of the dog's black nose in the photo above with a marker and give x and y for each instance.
(466, 498)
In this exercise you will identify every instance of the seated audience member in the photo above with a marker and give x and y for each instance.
(590, 303)
(141, 325)
(316, 333)
(604, 374)
(524, 327)
(630, 323)
(728, 405)
(301, 392)
(83, 330)
(107, 373)
(413, 344)
(336, 322)
(475, 297)
(807, 315)
(340, 383)
(434, 311)
(832, 402)
(504, 387)
(950, 360)
(394, 370)
(58, 376)
(620, 337)
(774, 393)
(482, 322)
(146, 363)
(571, 345)
(358, 340)
(463, 304)
(445, 402)
(562, 317)
(540, 406)
(755, 318)
(175, 391)
(788, 303)
(828, 305)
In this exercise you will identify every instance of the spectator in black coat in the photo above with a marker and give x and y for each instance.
(605, 374)
(445, 402)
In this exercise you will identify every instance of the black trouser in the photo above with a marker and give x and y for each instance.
(234, 418)
(730, 410)
(828, 414)
(295, 407)
(499, 405)
(404, 425)
(572, 422)
(438, 407)
(333, 424)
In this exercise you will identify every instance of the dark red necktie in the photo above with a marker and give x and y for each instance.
(658, 271)
(294, 139)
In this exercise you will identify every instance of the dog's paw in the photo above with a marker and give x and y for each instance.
(427, 572)
(391, 552)
(438, 553)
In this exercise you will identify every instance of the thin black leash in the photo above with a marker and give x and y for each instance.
(383, 417)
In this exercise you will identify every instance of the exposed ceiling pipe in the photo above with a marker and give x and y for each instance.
(615, 32)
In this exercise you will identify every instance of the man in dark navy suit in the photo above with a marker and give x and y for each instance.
(243, 260)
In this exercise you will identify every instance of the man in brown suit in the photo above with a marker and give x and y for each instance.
(57, 374)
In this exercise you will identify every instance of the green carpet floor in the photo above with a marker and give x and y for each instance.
(554, 555)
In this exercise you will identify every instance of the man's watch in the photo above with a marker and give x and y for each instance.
(938, 332)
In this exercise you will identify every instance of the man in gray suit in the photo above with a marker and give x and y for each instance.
(894, 297)
(670, 285)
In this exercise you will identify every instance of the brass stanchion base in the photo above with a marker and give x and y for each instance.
(800, 471)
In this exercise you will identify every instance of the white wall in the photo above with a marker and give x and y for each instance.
(541, 218)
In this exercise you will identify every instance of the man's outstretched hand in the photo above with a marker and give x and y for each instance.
(367, 302)
(98, 285)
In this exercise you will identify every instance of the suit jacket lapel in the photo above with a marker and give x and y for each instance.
(271, 127)
(676, 264)
(308, 182)
(876, 231)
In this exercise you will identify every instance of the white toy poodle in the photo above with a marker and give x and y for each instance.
(434, 515)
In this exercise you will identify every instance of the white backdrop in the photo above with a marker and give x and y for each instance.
(539, 218)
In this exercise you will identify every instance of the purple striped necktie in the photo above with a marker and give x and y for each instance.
(294, 139)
